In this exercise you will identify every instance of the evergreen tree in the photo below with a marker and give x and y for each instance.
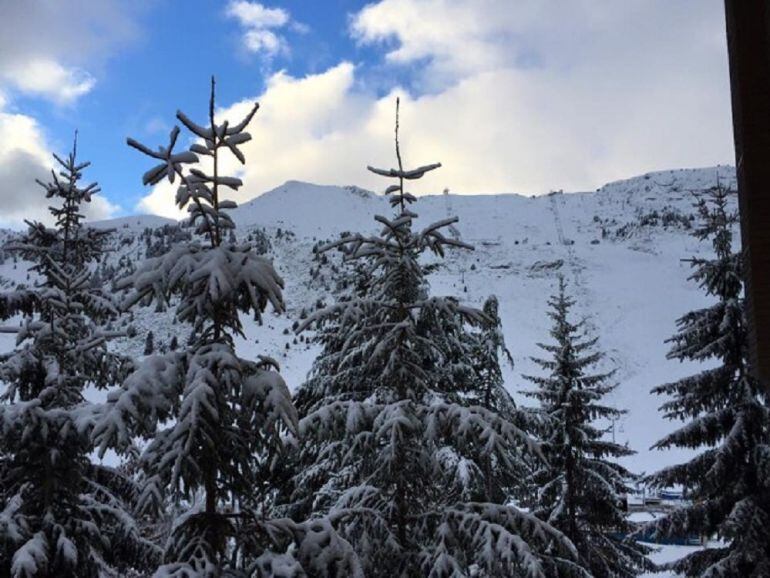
(395, 455)
(149, 344)
(728, 482)
(487, 347)
(484, 386)
(216, 423)
(581, 488)
(62, 515)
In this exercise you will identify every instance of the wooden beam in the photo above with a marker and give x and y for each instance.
(748, 42)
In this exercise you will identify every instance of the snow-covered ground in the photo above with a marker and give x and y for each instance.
(621, 249)
(663, 554)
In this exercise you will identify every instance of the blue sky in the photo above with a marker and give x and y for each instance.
(522, 96)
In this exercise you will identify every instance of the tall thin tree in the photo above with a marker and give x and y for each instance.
(726, 415)
(582, 486)
(62, 515)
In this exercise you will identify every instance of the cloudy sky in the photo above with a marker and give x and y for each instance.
(510, 95)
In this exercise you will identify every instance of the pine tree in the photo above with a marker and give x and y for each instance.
(216, 423)
(484, 386)
(62, 515)
(581, 488)
(488, 346)
(395, 455)
(726, 415)
(149, 344)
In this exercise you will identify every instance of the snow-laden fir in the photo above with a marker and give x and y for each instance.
(215, 422)
(62, 515)
(409, 450)
(725, 414)
(580, 488)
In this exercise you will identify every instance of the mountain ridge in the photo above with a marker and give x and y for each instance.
(684, 179)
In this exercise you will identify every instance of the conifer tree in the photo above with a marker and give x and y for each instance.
(726, 415)
(216, 422)
(489, 345)
(396, 455)
(581, 488)
(149, 344)
(60, 514)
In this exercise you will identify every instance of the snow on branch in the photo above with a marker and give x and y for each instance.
(411, 174)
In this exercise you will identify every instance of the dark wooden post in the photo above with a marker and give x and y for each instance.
(748, 43)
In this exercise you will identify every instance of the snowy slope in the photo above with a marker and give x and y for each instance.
(631, 285)
(630, 281)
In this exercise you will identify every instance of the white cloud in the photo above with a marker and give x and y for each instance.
(457, 37)
(100, 208)
(21, 133)
(510, 96)
(45, 50)
(50, 79)
(259, 23)
(160, 201)
(255, 15)
(454, 39)
(23, 159)
(49, 49)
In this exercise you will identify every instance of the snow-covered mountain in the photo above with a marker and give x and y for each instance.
(621, 249)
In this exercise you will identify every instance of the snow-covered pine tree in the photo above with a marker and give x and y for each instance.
(581, 488)
(485, 387)
(62, 515)
(216, 423)
(726, 415)
(395, 453)
(149, 343)
(488, 346)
